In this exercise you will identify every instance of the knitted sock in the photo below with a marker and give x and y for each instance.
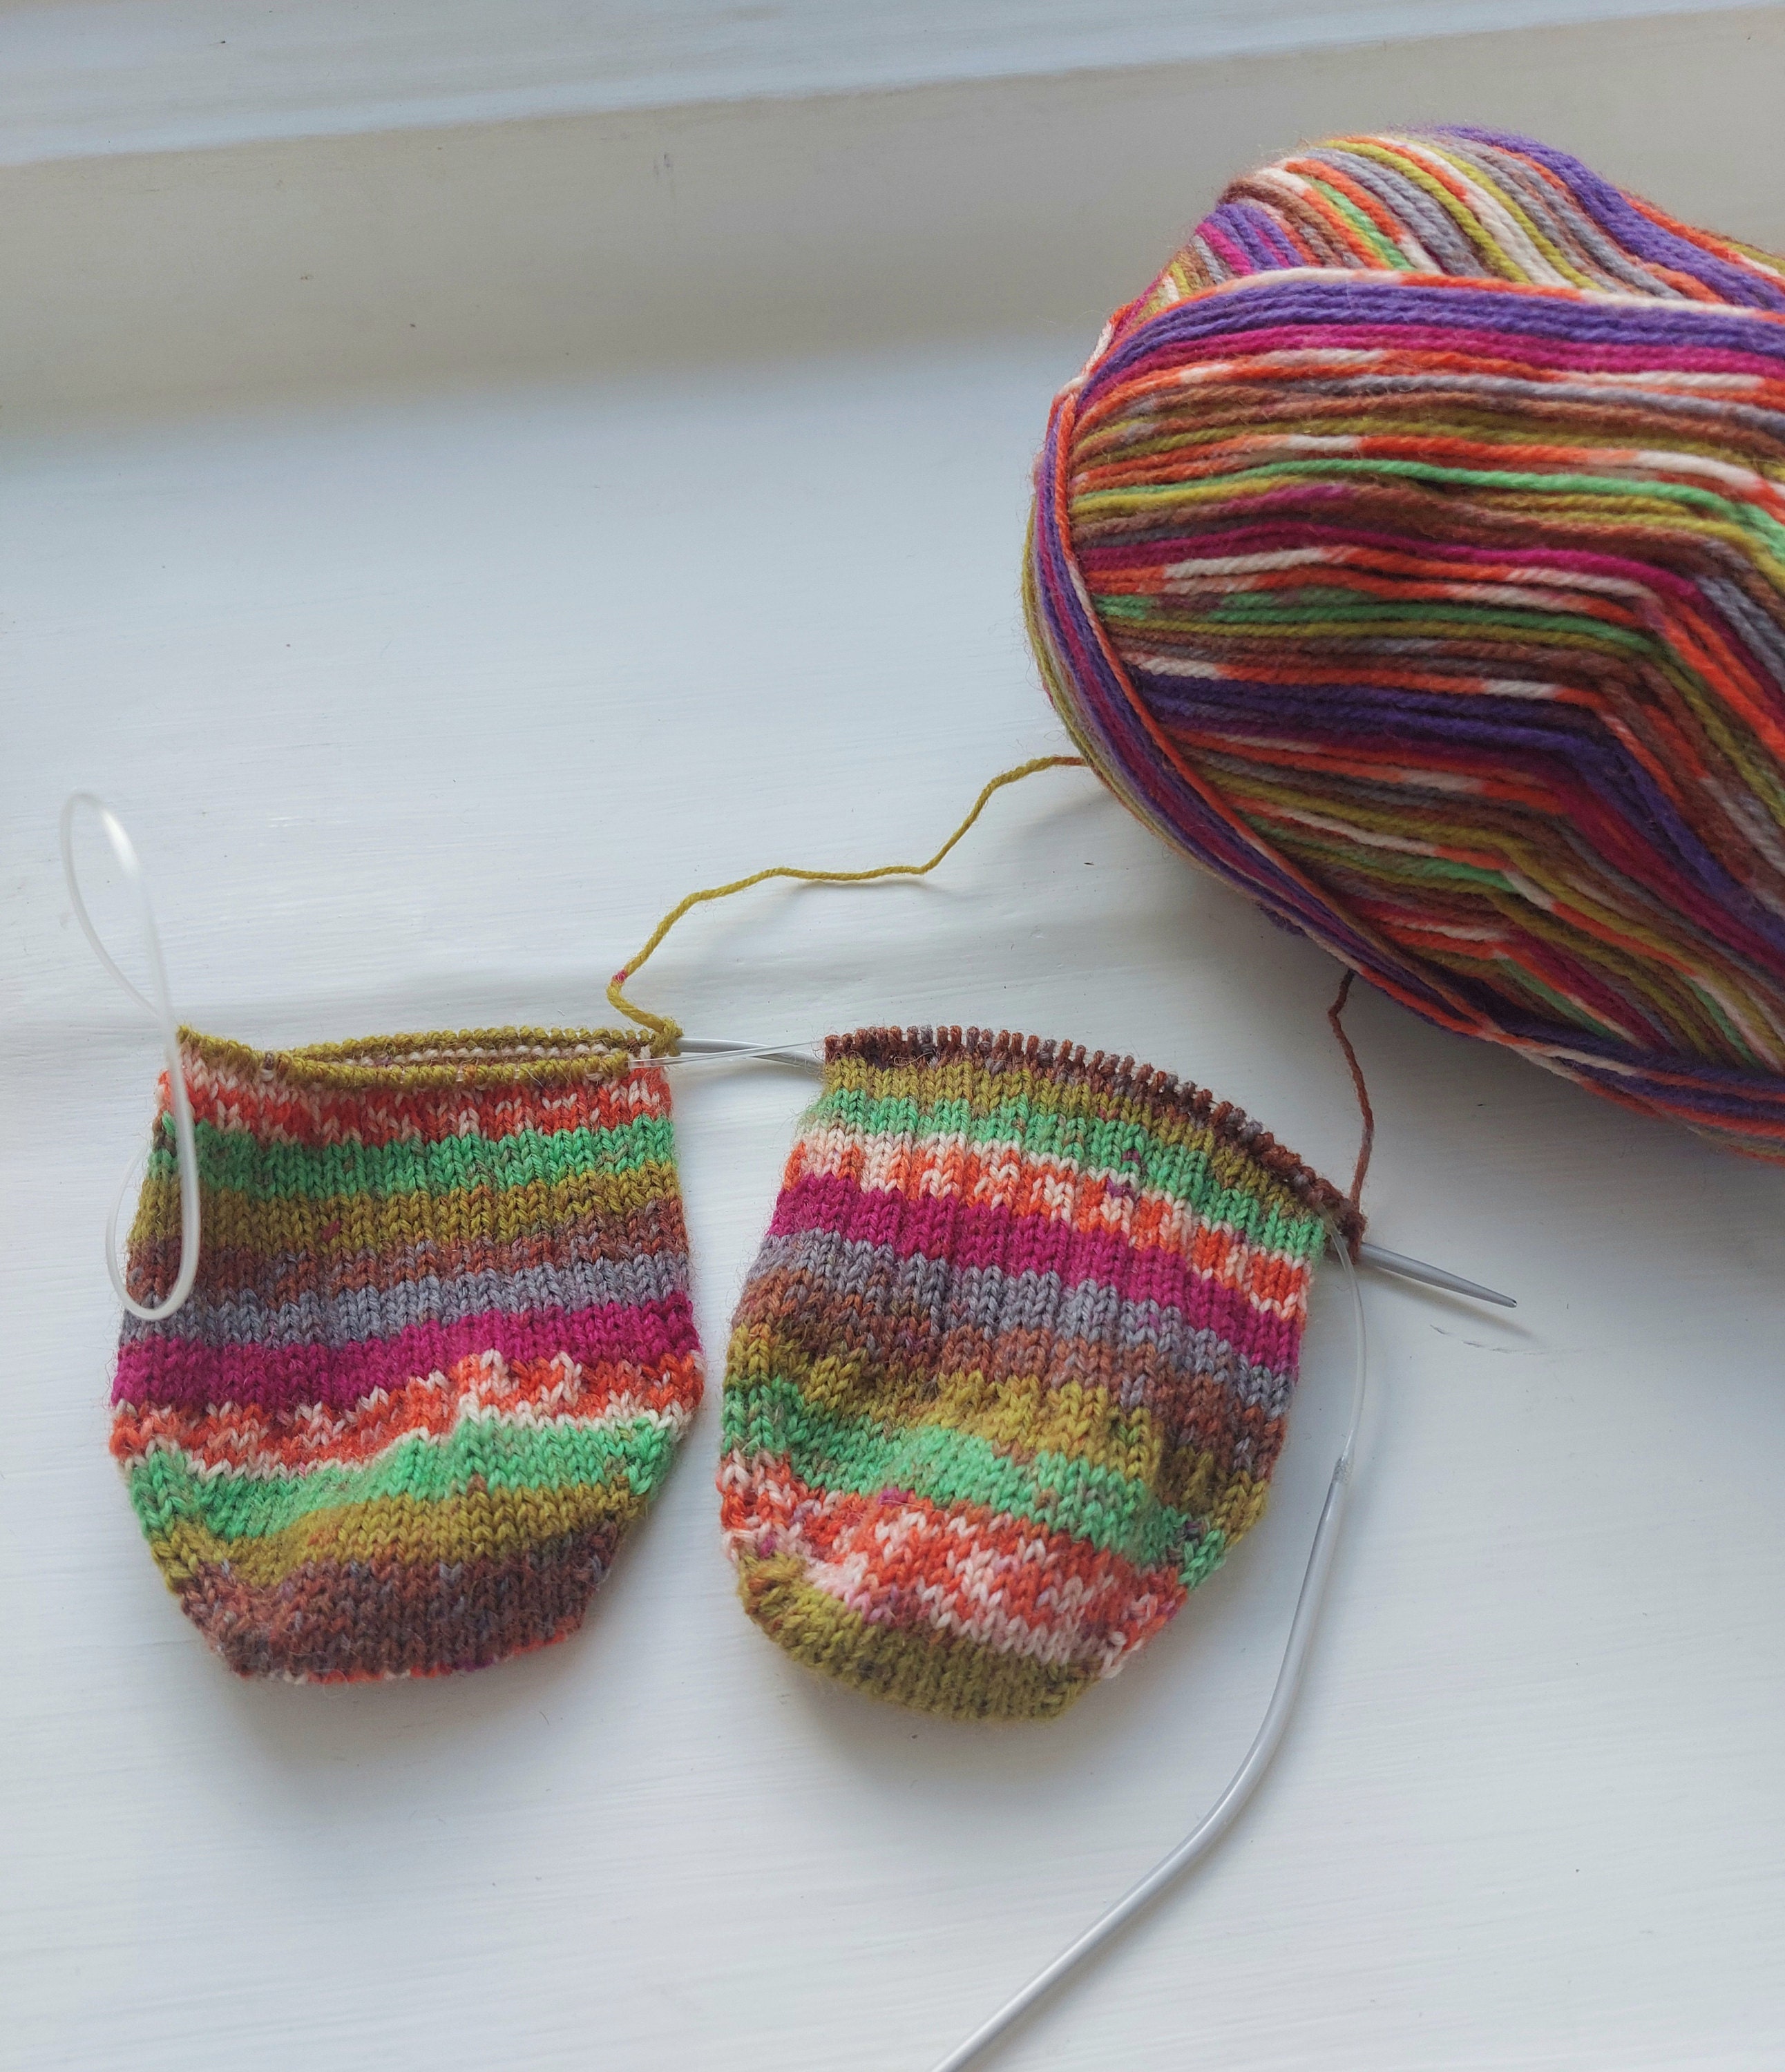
(1010, 1372)
(438, 1354)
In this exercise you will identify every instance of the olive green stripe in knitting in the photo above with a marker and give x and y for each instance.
(961, 1089)
(1175, 1156)
(440, 1060)
(1020, 1416)
(365, 1223)
(245, 1164)
(488, 1453)
(944, 1673)
(861, 1456)
(1016, 1414)
(476, 1526)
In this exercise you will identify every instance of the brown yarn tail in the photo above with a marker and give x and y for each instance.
(1364, 1148)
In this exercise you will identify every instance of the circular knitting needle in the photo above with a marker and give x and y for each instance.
(805, 1057)
(160, 1011)
(695, 1048)
(1385, 1261)
(1227, 1808)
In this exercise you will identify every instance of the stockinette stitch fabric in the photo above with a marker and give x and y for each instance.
(439, 1351)
(1411, 553)
(1010, 1372)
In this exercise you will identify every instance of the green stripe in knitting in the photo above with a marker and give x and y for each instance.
(954, 1083)
(861, 1456)
(420, 1466)
(1189, 1468)
(1042, 1127)
(269, 1172)
(1219, 1179)
(1013, 1412)
(395, 1531)
(362, 1221)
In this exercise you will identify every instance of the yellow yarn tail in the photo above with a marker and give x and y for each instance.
(666, 1034)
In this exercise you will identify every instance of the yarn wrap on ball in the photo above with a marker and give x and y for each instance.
(1412, 555)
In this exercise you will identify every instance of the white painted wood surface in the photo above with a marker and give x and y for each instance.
(425, 694)
(79, 77)
(706, 236)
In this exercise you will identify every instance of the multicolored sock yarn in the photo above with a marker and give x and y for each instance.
(1010, 1372)
(438, 1355)
(1412, 554)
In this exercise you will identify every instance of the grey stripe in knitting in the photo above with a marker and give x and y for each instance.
(937, 1298)
(359, 1313)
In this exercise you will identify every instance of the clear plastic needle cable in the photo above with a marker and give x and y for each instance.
(160, 1011)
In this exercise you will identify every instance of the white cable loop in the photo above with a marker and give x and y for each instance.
(160, 1011)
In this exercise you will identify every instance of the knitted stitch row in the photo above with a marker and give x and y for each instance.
(1412, 553)
(438, 1354)
(1010, 1374)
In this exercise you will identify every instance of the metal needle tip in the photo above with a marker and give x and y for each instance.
(1367, 1255)
(1434, 1277)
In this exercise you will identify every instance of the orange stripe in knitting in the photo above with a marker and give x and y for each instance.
(898, 1551)
(234, 1439)
(275, 1113)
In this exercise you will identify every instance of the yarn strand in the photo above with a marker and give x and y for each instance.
(1334, 1015)
(666, 1034)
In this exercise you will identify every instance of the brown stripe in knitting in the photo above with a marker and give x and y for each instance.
(333, 1269)
(387, 1619)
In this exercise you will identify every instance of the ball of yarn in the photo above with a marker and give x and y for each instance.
(1412, 554)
